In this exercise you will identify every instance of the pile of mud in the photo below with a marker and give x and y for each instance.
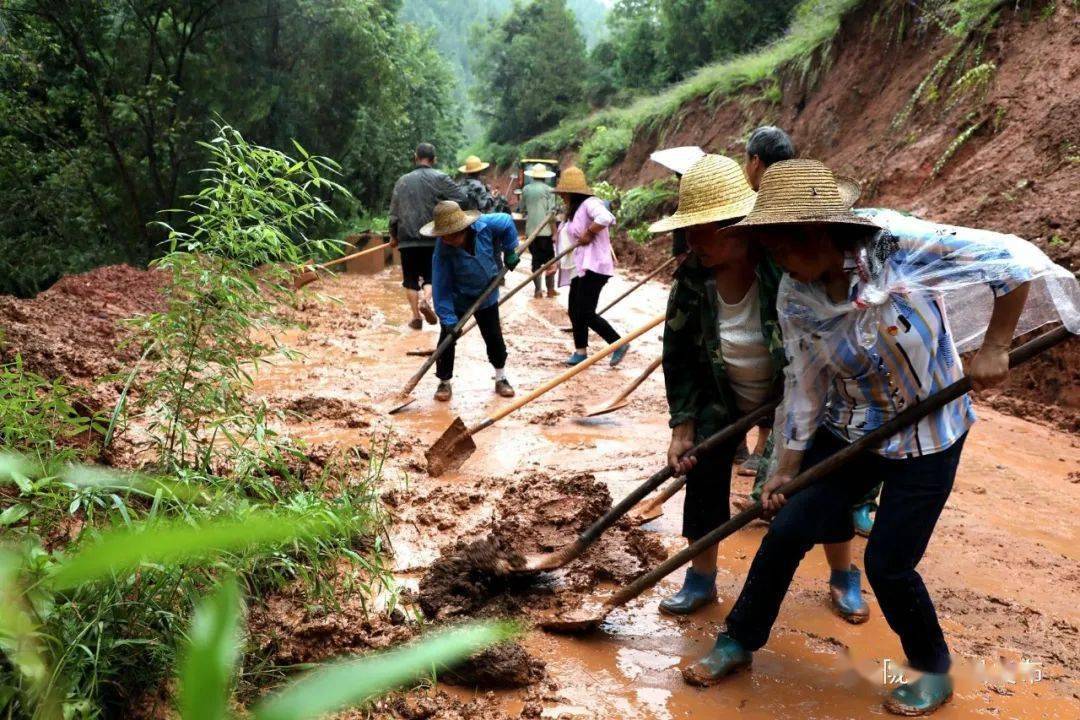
(73, 331)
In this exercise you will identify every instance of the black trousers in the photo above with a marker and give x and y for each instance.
(914, 494)
(706, 504)
(541, 250)
(487, 321)
(581, 305)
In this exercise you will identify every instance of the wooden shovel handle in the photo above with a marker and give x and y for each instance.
(638, 380)
(816, 473)
(639, 283)
(567, 374)
(365, 251)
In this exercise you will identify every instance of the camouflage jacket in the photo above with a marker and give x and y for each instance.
(694, 370)
(477, 196)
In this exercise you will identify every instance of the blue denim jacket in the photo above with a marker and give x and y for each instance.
(459, 277)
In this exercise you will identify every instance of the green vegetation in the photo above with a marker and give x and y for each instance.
(102, 104)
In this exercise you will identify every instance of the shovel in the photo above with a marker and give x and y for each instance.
(667, 263)
(621, 400)
(310, 274)
(456, 445)
(646, 512)
(405, 397)
(553, 560)
(586, 618)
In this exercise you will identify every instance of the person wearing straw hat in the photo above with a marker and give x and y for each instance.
(538, 201)
(723, 357)
(411, 203)
(862, 309)
(468, 252)
(588, 268)
(477, 195)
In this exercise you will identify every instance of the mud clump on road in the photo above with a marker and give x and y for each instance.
(504, 666)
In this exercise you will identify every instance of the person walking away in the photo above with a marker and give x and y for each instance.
(468, 249)
(538, 201)
(411, 204)
(477, 195)
(862, 308)
(589, 266)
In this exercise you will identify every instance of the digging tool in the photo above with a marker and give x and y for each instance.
(667, 263)
(647, 511)
(621, 400)
(310, 273)
(554, 560)
(456, 445)
(405, 398)
(585, 618)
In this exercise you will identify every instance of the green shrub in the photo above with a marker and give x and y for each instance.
(605, 147)
(645, 203)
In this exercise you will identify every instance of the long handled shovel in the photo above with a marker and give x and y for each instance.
(654, 509)
(586, 618)
(310, 273)
(667, 263)
(456, 445)
(553, 560)
(621, 401)
(405, 397)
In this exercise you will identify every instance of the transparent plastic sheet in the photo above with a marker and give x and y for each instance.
(901, 279)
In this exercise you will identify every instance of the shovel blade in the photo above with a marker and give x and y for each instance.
(646, 512)
(576, 621)
(451, 450)
(605, 409)
(400, 403)
(304, 278)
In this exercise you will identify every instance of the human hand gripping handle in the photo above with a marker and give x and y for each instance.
(990, 366)
(682, 440)
(786, 468)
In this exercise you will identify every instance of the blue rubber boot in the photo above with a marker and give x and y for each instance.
(697, 591)
(727, 657)
(864, 521)
(618, 355)
(845, 589)
(575, 359)
(922, 696)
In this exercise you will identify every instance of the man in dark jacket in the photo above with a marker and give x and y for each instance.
(414, 198)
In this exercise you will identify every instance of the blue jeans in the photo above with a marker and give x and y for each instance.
(914, 494)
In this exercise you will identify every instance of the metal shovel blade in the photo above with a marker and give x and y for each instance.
(646, 511)
(539, 562)
(400, 403)
(451, 450)
(576, 620)
(605, 409)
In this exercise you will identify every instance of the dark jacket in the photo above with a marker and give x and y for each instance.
(694, 371)
(477, 196)
(414, 199)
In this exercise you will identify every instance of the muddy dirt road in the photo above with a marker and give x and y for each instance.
(1004, 565)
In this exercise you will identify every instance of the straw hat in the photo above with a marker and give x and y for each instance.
(473, 164)
(572, 180)
(712, 190)
(850, 190)
(800, 192)
(448, 219)
(539, 171)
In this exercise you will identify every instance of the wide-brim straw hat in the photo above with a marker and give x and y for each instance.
(850, 189)
(572, 180)
(800, 192)
(539, 171)
(473, 164)
(447, 219)
(714, 189)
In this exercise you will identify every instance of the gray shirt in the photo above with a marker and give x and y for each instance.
(413, 201)
(537, 200)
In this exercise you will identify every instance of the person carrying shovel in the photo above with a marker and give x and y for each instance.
(723, 357)
(862, 310)
(468, 253)
(538, 201)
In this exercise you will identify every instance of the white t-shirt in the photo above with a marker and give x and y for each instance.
(747, 359)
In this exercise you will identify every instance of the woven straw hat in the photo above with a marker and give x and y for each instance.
(850, 190)
(712, 190)
(800, 192)
(448, 219)
(539, 171)
(473, 164)
(572, 180)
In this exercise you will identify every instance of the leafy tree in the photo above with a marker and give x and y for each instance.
(530, 67)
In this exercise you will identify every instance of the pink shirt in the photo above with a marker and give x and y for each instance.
(595, 256)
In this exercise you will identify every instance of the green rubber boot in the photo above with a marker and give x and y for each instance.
(727, 657)
(922, 696)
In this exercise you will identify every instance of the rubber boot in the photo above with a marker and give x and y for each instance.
(618, 355)
(538, 290)
(697, 591)
(727, 657)
(575, 359)
(549, 280)
(845, 589)
(921, 697)
(864, 521)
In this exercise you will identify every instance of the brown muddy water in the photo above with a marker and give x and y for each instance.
(1003, 566)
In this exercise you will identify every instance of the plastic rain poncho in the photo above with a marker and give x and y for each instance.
(921, 293)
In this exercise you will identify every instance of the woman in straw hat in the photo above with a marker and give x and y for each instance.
(862, 307)
(723, 357)
(590, 265)
(538, 201)
(467, 258)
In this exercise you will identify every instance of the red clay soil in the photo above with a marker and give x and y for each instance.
(73, 330)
